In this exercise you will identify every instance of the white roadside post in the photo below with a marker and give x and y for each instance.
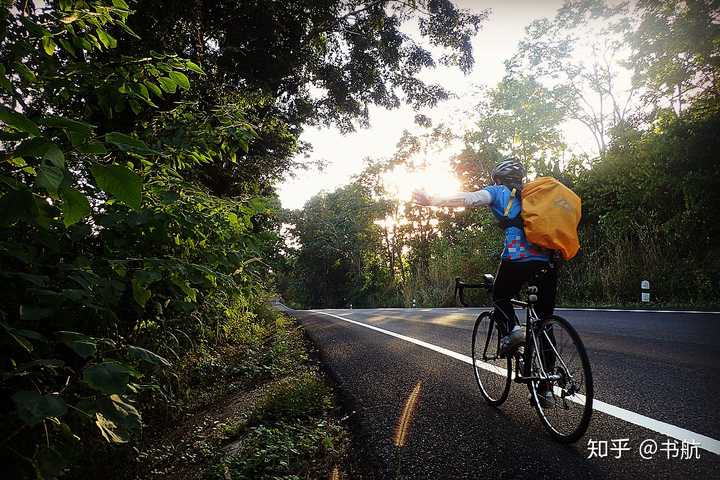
(645, 291)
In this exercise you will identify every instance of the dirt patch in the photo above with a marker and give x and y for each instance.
(184, 452)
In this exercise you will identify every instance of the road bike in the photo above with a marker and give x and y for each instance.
(552, 358)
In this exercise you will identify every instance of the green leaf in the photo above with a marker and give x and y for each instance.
(106, 39)
(119, 182)
(18, 121)
(4, 81)
(77, 131)
(18, 205)
(153, 88)
(167, 84)
(92, 148)
(34, 312)
(120, 4)
(134, 106)
(51, 363)
(141, 90)
(153, 358)
(75, 206)
(25, 72)
(140, 293)
(67, 123)
(50, 177)
(68, 47)
(127, 143)
(48, 45)
(22, 336)
(41, 147)
(107, 377)
(194, 67)
(33, 408)
(82, 345)
(181, 79)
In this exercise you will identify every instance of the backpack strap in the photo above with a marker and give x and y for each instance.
(509, 204)
(506, 222)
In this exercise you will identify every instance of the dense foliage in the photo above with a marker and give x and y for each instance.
(649, 192)
(138, 220)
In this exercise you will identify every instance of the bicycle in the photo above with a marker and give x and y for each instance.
(552, 357)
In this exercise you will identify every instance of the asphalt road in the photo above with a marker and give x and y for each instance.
(654, 374)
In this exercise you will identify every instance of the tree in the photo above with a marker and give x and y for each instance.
(107, 252)
(320, 61)
(676, 50)
(521, 118)
(339, 250)
(579, 54)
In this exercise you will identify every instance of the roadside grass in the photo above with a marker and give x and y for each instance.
(291, 434)
(252, 406)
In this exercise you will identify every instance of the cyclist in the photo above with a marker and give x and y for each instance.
(520, 260)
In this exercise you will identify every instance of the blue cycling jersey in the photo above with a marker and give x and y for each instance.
(517, 248)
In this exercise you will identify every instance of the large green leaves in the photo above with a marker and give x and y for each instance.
(81, 344)
(75, 206)
(127, 143)
(18, 121)
(120, 182)
(33, 408)
(145, 355)
(50, 177)
(180, 79)
(41, 147)
(78, 132)
(108, 377)
(23, 336)
(167, 84)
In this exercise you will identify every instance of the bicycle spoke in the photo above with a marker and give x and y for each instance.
(492, 373)
(563, 356)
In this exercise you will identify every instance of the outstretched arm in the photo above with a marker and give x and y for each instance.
(460, 199)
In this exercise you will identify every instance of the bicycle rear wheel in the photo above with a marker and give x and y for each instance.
(567, 416)
(492, 373)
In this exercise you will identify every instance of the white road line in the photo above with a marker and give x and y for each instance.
(635, 311)
(705, 442)
(615, 310)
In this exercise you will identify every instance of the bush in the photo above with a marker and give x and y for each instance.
(288, 451)
(300, 396)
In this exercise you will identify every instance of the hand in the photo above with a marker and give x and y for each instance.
(421, 198)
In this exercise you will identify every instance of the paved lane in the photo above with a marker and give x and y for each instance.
(662, 366)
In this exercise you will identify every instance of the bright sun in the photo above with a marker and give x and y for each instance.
(435, 178)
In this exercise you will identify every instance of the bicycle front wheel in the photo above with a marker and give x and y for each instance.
(559, 353)
(492, 373)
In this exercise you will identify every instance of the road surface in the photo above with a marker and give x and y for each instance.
(404, 373)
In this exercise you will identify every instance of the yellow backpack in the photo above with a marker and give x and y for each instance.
(551, 213)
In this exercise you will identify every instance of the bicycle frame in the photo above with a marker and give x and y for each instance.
(531, 347)
(538, 362)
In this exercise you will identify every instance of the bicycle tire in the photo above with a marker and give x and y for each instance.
(567, 383)
(494, 393)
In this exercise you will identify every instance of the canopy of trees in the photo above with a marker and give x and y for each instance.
(140, 143)
(649, 191)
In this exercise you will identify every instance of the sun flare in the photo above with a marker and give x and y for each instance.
(436, 178)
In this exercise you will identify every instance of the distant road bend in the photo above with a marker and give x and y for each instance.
(407, 375)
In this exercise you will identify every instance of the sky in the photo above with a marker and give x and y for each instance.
(344, 153)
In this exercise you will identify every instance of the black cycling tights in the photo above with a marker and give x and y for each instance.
(509, 280)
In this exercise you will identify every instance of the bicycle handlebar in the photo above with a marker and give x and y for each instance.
(460, 287)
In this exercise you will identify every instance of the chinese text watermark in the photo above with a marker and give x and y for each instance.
(647, 449)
